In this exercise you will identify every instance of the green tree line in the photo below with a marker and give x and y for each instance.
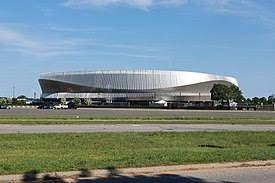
(226, 94)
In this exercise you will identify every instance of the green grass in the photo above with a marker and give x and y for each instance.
(134, 120)
(63, 152)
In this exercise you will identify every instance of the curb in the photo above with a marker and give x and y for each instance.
(71, 175)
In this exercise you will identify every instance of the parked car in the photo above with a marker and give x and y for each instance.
(45, 106)
(72, 105)
(61, 106)
(5, 107)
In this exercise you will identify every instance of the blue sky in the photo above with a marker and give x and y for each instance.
(226, 37)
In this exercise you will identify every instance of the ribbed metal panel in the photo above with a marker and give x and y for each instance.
(135, 81)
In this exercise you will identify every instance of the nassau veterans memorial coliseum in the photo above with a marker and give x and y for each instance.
(132, 85)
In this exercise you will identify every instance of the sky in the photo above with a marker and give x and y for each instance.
(225, 37)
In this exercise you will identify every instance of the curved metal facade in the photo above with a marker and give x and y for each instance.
(136, 84)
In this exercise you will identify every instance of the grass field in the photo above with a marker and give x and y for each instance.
(62, 152)
(133, 120)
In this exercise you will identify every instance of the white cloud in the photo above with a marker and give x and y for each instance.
(124, 54)
(143, 4)
(98, 30)
(249, 9)
(15, 41)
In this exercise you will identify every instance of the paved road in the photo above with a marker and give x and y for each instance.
(240, 175)
(215, 173)
(231, 175)
(135, 112)
(8, 129)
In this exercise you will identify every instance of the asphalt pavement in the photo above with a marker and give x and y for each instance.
(229, 175)
(238, 172)
(120, 112)
(11, 129)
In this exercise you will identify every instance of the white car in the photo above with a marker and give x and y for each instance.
(162, 103)
(61, 106)
(5, 107)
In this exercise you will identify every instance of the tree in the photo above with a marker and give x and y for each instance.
(77, 101)
(63, 101)
(263, 101)
(224, 93)
(3, 101)
(235, 94)
(248, 101)
(88, 102)
(256, 101)
(219, 93)
(271, 99)
(22, 97)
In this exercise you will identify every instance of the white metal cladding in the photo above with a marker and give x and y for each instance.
(136, 79)
(152, 96)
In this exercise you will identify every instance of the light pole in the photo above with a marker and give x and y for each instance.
(13, 92)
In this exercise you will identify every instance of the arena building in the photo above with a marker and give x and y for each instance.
(132, 85)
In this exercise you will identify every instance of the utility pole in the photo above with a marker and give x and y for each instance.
(13, 92)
